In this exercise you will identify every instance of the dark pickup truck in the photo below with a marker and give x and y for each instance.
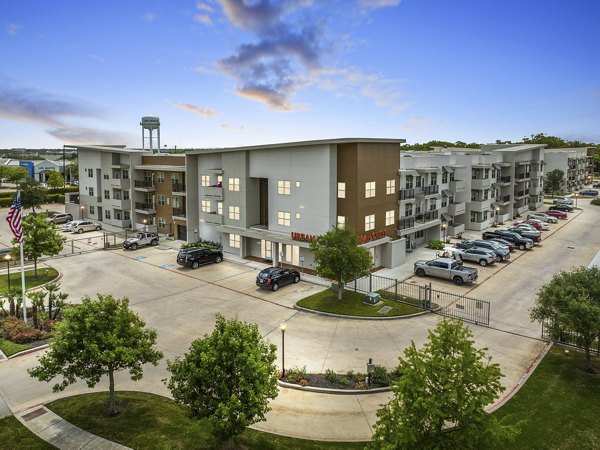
(522, 242)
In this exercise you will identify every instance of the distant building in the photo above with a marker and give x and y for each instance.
(576, 163)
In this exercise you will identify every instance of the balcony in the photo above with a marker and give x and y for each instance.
(481, 183)
(145, 208)
(457, 209)
(481, 205)
(427, 191)
(457, 186)
(455, 229)
(122, 223)
(503, 181)
(119, 183)
(120, 204)
(407, 194)
(427, 217)
(178, 188)
(144, 186)
(520, 194)
(212, 218)
(179, 213)
(522, 176)
(505, 200)
(213, 193)
(534, 190)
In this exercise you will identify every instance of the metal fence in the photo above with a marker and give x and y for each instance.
(553, 332)
(90, 243)
(445, 303)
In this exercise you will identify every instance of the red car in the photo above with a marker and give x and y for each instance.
(556, 213)
(535, 225)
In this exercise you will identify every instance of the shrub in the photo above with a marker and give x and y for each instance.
(363, 386)
(380, 376)
(436, 244)
(350, 374)
(596, 202)
(331, 376)
(17, 331)
(296, 374)
(204, 244)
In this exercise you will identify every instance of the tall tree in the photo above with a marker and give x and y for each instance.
(228, 377)
(40, 238)
(96, 339)
(338, 257)
(15, 174)
(554, 181)
(570, 303)
(439, 401)
(32, 196)
(56, 180)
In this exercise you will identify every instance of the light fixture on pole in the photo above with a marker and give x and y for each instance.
(283, 327)
(81, 208)
(444, 231)
(7, 258)
(497, 215)
(575, 199)
(145, 221)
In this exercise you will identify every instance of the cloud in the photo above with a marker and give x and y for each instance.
(261, 15)
(202, 6)
(13, 28)
(201, 111)
(149, 17)
(376, 4)
(97, 58)
(203, 19)
(232, 128)
(77, 135)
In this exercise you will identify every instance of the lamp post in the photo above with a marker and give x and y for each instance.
(7, 258)
(497, 215)
(81, 208)
(575, 199)
(283, 327)
(444, 231)
(144, 224)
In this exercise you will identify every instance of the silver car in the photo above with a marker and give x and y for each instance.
(482, 256)
(542, 216)
(86, 225)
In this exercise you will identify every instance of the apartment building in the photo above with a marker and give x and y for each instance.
(576, 163)
(269, 201)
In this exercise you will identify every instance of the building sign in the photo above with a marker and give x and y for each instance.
(27, 165)
(362, 239)
(303, 237)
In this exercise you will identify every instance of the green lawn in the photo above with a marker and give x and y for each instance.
(352, 305)
(44, 275)
(13, 435)
(10, 348)
(150, 421)
(558, 407)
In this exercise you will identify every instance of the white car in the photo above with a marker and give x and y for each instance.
(563, 201)
(86, 225)
(67, 227)
(543, 217)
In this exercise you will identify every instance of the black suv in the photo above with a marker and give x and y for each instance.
(274, 277)
(522, 242)
(194, 257)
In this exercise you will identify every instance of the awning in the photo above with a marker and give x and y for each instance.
(428, 169)
(446, 217)
(447, 169)
(446, 193)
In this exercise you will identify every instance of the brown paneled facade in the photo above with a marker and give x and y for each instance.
(370, 176)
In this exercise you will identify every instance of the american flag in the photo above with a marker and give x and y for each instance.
(15, 218)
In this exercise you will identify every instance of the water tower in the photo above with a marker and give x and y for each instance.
(152, 124)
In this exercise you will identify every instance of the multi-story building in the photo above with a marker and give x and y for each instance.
(576, 163)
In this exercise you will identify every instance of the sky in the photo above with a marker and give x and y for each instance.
(225, 73)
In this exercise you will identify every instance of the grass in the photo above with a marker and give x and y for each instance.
(10, 348)
(352, 305)
(150, 421)
(558, 407)
(45, 275)
(14, 435)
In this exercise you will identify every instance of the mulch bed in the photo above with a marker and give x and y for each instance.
(320, 381)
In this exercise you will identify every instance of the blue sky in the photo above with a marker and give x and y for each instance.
(223, 73)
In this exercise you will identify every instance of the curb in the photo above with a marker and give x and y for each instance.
(343, 316)
(297, 387)
(29, 350)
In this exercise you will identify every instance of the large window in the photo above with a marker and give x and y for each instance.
(234, 184)
(92, 210)
(90, 173)
(369, 189)
(409, 181)
(175, 202)
(125, 195)
(162, 223)
(234, 240)
(206, 206)
(107, 194)
(107, 214)
(205, 180)
(283, 187)
(341, 221)
(161, 200)
(433, 180)
(390, 186)
(283, 218)
(341, 190)
(125, 174)
(234, 212)
(445, 178)
(369, 222)
(91, 192)
(389, 217)
(220, 208)
(126, 215)
(160, 177)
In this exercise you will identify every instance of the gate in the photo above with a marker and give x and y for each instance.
(91, 243)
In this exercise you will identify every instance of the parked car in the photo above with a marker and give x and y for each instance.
(542, 216)
(540, 225)
(275, 277)
(530, 233)
(86, 225)
(447, 269)
(68, 227)
(502, 252)
(561, 207)
(521, 242)
(141, 238)
(591, 192)
(557, 213)
(563, 201)
(59, 218)
(481, 256)
(194, 257)
(510, 245)
(532, 225)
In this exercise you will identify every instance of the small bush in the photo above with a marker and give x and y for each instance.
(296, 374)
(436, 244)
(204, 244)
(350, 374)
(596, 202)
(380, 376)
(363, 386)
(17, 331)
(331, 376)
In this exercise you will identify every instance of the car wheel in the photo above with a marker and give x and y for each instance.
(154, 242)
(498, 258)
(218, 259)
(458, 281)
(98, 228)
(420, 273)
(195, 265)
(297, 279)
(80, 231)
(275, 286)
(483, 262)
(133, 246)
(522, 246)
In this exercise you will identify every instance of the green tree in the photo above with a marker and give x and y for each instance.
(554, 181)
(32, 196)
(40, 238)
(338, 257)
(55, 180)
(15, 174)
(227, 376)
(439, 401)
(570, 302)
(553, 141)
(97, 338)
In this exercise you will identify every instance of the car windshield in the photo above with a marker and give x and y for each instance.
(264, 274)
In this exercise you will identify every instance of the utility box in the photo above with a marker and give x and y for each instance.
(372, 298)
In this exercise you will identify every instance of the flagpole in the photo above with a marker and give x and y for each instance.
(23, 283)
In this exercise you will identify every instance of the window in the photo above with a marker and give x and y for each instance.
(107, 195)
(389, 217)
(116, 174)
(390, 186)
(148, 176)
(126, 215)
(234, 212)
(473, 216)
(118, 215)
(444, 201)
(161, 200)
(205, 180)
(297, 184)
(126, 174)
(409, 181)
(341, 190)
(419, 182)
(125, 195)
(283, 187)
(175, 202)
(117, 195)
(445, 178)
(206, 206)
(174, 178)
(234, 184)
(433, 180)
(220, 208)
(369, 189)
(408, 209)
(419, 234)
(160, 177)
(341, 221)
(162, 223)
(234, 240)
(92, 210)
(297, 215)
(283, 218)
(369, 222)
(452, 176)
(106, 176)
(91, 191)
(107, 214)
(432, 205)
(90, 173)
(220, 180)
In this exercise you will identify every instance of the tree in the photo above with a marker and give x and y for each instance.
(570, 302)
(554, 181)
(227, 376)
(39, 239)
(15, 174)
(339, 257)
(439, 401)
(55, 180)
(32, 196)
(97, 338)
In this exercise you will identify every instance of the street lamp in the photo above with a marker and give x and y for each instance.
(497, 215)
(444, 230)
(81, 208)
(7, 258)
(575, 199)
(283, 327)
(144, 224)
